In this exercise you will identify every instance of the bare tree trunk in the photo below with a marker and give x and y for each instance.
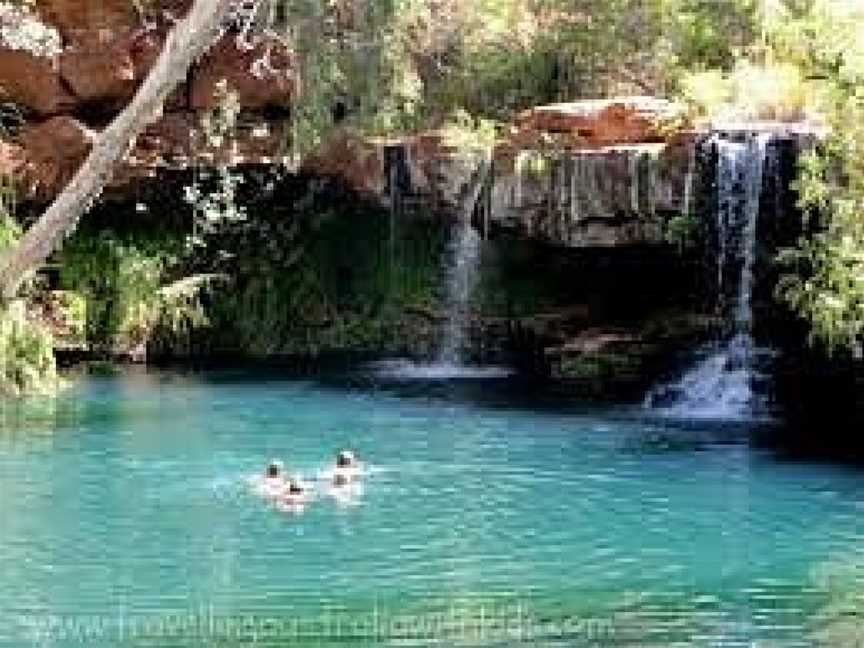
(188, 41)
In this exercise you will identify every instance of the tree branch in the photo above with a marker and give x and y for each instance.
(187, 42)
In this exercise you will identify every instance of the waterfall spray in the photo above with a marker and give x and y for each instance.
(462, 272)
(721, 384)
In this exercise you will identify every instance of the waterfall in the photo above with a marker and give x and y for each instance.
(463, 261)
(721, 383)
(461, 279)
(461, 275)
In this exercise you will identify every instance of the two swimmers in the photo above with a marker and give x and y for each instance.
(276, 486)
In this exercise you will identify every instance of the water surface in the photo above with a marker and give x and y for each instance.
(126, 519)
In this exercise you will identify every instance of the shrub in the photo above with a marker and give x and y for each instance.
(776, 92)
(27, 362)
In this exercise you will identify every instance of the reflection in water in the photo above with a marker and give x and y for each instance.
(28, 425)
(839, 622)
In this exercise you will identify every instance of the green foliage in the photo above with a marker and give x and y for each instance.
(824, 281)
(120, 281)
(27, 363)
(681, 231)
(10, 230)
(398, 65)
(468, 134)
(749, 91)
(299, 289)
(213, 191)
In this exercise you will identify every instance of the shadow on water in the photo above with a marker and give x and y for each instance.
(490, 389)
(786, 438)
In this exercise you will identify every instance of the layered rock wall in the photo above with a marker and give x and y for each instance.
(588, 174)
(100, 53)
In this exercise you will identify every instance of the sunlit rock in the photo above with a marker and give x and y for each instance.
(78, 19)
(263, 77)
(33, 82)
(54, 150)
(99, 71)
(599, 122)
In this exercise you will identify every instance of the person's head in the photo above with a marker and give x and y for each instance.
(274, 469)
(295, 487)
(346, 459)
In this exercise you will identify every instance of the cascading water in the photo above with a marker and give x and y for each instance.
(721, 384)
(460, 284)
(462, 271)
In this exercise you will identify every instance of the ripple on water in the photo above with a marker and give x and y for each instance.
(669, 533)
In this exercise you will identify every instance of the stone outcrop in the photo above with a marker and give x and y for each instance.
(106, 51)
(581, 174)
(598, 122)
(33, 82)
(52, 150)
(76, 20)
(608, 196)
(99, 71)
(263, 76)
(614, 176)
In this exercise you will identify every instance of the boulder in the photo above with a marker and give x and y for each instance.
(599, 122)
(355, 162)
(54, 149)
(259, 86)
(78, 20)
(100, 71)
(32, 82)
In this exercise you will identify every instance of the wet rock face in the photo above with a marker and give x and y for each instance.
(596, 197)
(574, 193)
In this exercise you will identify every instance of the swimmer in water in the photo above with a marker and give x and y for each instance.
(272, 483)
(295, 493)
(345, 488)
(347, 468)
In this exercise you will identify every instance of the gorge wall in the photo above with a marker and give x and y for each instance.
(581, 279)
(85, 63)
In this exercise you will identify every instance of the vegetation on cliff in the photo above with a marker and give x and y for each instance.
(825, 274)
(402, 65)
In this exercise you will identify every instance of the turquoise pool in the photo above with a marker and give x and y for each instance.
(126, 520)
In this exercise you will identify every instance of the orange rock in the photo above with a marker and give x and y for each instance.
(598, 122)
(54, 150)
(12, 159)
(77, 20)
(33, 82)
(356, 162)
(258, 86)
(102, 72)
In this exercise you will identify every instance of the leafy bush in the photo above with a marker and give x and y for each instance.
(27, 363)
(750, 91)
(120, 281)
(824, 280)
